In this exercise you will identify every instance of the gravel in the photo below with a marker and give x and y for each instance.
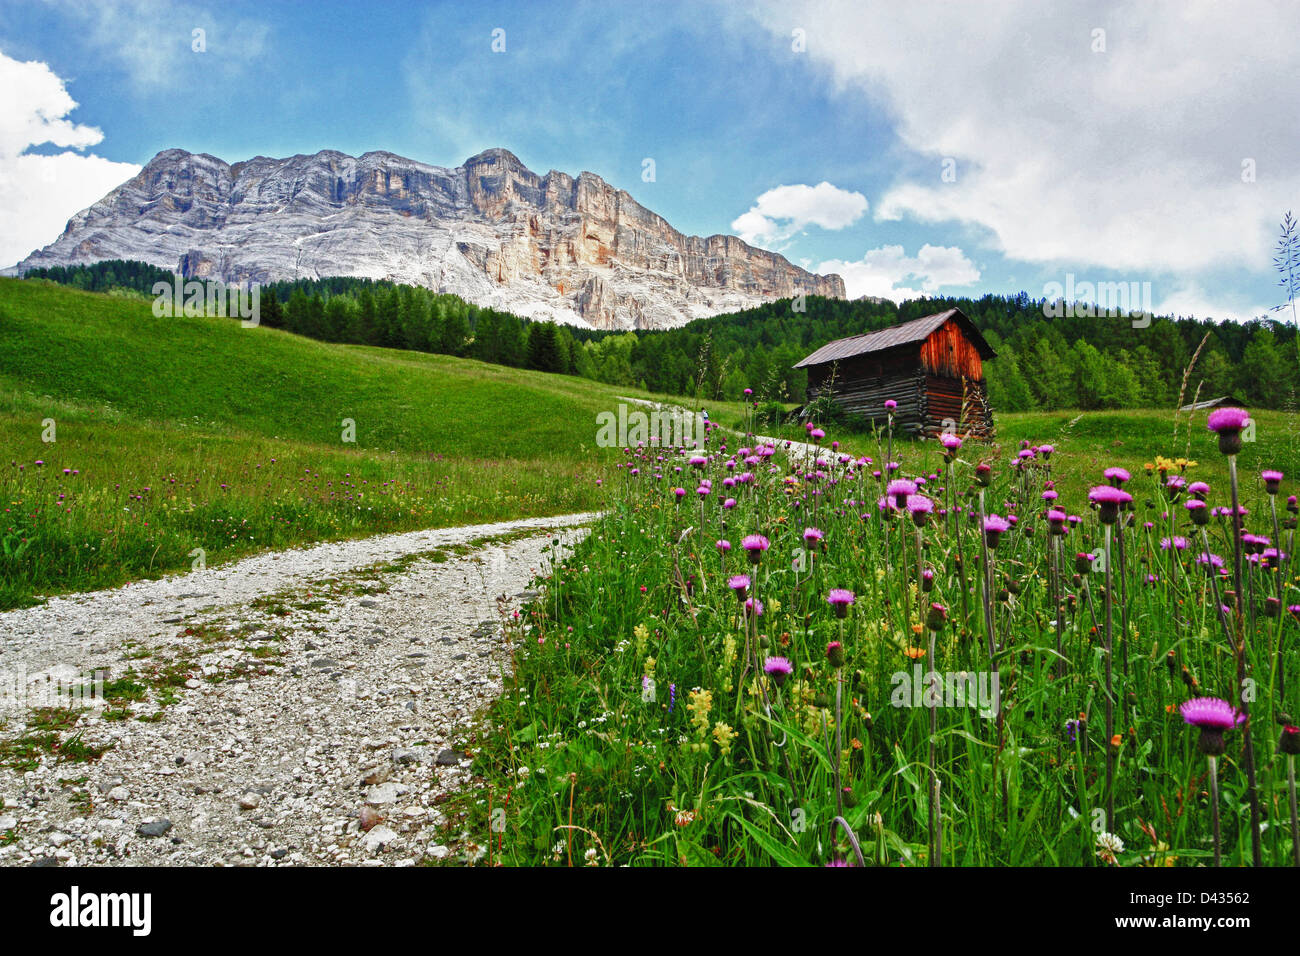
(300, 710)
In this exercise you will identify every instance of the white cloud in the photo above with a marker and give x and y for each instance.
(879, 272)
(781, 212)
(154, 42)
(1189, 299)
(38, 194)
(1129, 159)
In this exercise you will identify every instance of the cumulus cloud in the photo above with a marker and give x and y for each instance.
(881, 271)
(781, 212)
(39, 193)
(1143, 137)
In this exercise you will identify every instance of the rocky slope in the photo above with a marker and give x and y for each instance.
(575, 250)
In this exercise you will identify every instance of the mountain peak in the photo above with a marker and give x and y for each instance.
(496, 154)
(492, 231)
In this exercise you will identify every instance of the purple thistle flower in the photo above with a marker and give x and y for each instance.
(1227, 420)
(996, 524)
(1108, 495)
(777, 668)
(754, 545)
(900, 488)
(1211, 712)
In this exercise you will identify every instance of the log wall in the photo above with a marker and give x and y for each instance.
(926, 401)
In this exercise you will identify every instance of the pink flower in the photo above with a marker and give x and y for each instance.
(1211, 712)
(1227, 420)
(919, 503)
(839, 596)
(996, 524)
(1108, 495)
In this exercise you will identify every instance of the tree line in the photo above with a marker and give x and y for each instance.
(1080, 361)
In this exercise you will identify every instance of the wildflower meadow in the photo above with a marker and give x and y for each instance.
(920, 653)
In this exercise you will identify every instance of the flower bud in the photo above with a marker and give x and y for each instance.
(937, 617)
(1290, 742)
(1211, 741)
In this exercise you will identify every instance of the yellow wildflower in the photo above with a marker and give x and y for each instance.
(723, 734)
(699, 704)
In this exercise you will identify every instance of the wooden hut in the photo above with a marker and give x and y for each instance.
(932, 367)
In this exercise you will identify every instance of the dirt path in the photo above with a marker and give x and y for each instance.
(254, 710)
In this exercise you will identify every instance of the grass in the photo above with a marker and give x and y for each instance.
(188, 441)
(639, 726)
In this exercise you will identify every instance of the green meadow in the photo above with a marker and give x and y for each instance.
(177, 434)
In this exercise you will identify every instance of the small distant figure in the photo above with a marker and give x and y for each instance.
(704, 414)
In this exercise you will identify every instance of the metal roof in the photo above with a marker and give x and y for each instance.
(906, 333)
(1210, 403)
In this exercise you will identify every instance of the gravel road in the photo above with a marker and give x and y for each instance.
(295, 708)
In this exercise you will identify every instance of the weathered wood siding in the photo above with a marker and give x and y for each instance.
(954, 400)
(927, 401)
(866, 395)
(949, 353)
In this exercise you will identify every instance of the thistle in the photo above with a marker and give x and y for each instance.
(1214, 717)
(1228, 424)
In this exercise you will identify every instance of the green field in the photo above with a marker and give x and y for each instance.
(177, 434)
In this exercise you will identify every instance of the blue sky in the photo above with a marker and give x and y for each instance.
(1161, 150)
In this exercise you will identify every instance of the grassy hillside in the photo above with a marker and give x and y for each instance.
(173, 435)
(177, 434)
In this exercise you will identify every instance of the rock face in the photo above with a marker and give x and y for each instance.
(575, 250)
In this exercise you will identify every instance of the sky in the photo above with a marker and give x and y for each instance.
(913, 148)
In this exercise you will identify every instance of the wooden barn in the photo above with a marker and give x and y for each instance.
(933, 367)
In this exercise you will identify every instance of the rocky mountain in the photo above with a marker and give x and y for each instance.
(575, 250)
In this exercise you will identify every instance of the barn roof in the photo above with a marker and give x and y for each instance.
(906, 333)
(1224, 400)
